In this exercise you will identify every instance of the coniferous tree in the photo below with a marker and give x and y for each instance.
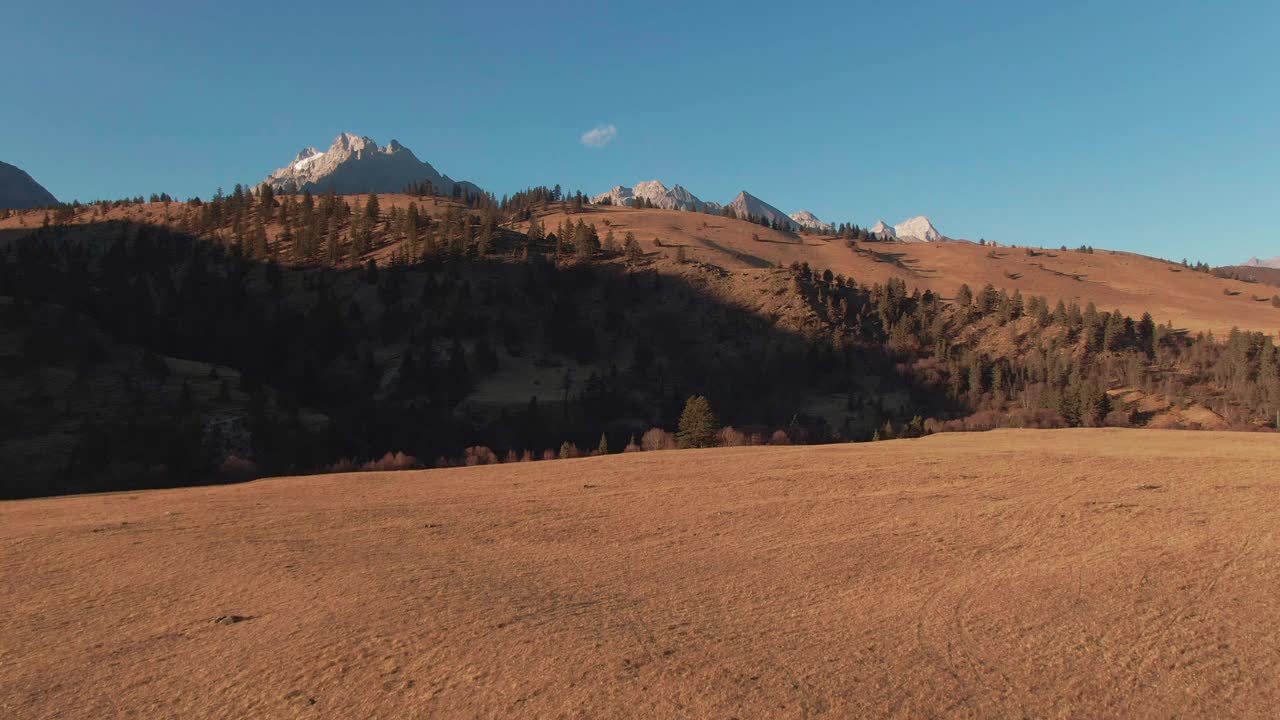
(698, 424)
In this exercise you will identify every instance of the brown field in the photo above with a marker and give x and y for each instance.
(1087, 573)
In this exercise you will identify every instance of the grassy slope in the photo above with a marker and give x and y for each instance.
(1132, 283)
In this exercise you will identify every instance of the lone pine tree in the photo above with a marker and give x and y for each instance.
(697, 424)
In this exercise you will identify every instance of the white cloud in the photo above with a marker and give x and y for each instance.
(599, 136)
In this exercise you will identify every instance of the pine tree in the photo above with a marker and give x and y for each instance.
(698, 425)
(632, 248)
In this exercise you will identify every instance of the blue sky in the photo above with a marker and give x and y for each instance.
(1138, 125)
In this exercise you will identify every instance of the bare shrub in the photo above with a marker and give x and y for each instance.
(631, 445)
(658, 439)
(345, 465)
(779, 437)
(549, 454)
(730, 437)
(392, 461)
(479, 455)
(568, 451)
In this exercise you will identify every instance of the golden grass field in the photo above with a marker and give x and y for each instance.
(1078, 573)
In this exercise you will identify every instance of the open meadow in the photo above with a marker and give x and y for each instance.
(1083, 573)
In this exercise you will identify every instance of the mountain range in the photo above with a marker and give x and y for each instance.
(1273, 263)
(19, 191)
(744, 205)
(653, 191)
(357, 164)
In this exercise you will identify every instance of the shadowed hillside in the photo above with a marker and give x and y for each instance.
(277, 335)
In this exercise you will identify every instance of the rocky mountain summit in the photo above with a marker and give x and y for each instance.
(806, 219)
(917, 229)
(674, 198)
(1273, 263)
(884, 231)
(746, 205)
(19, 191)
(357, 164)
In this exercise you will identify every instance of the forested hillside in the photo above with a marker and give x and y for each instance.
(165, 343)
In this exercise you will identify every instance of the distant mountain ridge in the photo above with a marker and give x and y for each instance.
(1273, 263)
(356, 164)
(806, 219)
(675, 198)
(19, 191)
(746, 205)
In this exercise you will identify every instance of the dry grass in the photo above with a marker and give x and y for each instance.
(1086, 573)
(1132, 283)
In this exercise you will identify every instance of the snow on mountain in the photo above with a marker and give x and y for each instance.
(306, 157)
(747, 206)
(675, 198)
(356, 164)
(1272, 263)
(884, 231)
(19, 191)
(806, 219)
(917, 229)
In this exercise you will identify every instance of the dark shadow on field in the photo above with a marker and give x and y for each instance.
(752, 260)
(899, 260)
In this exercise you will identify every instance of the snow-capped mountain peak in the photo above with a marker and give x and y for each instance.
(306, 157)
(806, 219)
(356, 164)
(884, 231)
(917, 229)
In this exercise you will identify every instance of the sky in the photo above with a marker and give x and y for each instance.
(1144, 126)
